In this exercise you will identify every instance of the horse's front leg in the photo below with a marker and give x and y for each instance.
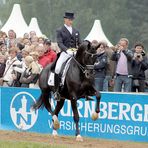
(56, 124)
(97, 108)
(76, 119)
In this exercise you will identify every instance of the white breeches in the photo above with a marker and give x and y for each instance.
(63, 57)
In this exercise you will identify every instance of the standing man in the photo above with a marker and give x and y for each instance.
(123, 72)
(67, 37)
(139, 66)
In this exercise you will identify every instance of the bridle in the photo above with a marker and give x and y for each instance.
(87, 69)
(89, 53)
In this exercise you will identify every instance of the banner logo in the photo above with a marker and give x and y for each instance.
(21, 113)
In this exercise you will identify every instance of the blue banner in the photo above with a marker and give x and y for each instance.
(122, 116)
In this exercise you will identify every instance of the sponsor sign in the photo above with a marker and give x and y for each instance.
(122, 116)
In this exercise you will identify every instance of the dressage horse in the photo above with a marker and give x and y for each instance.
(79, 83)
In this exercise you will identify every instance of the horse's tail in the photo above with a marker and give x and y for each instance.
(43, 101)
(39, 103)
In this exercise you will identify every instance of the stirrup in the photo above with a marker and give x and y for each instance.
(57, 96)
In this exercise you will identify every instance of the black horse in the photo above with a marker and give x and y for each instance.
(78, 84)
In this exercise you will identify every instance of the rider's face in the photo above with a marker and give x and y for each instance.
(68, 22)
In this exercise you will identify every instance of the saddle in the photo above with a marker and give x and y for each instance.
(64, 68)
(62, 75)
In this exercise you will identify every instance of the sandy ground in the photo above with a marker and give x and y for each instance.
(67, 141)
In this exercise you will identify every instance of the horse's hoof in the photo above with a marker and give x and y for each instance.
(79, 138)
(94, 116)
(54, 133)
(56, 123)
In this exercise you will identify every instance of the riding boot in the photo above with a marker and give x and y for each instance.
(57, 85)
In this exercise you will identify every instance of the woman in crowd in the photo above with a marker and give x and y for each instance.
(100, 66)
(29, 77)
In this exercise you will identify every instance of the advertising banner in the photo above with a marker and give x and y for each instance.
(122, 116)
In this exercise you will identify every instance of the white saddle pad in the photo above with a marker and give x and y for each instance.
(65, 71)
(51, 79)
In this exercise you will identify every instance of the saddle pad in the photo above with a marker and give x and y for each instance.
(65, 71)
(51, 79)
(51, 76)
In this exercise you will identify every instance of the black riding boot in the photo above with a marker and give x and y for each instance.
(57, 85)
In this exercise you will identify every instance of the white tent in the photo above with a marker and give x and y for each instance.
(16, 22)
(33, 26)
(97, 33)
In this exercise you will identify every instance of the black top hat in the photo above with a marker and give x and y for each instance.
(69, 15)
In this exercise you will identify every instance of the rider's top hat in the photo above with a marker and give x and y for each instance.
(69, 15)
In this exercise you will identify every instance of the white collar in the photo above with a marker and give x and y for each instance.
(69, 28)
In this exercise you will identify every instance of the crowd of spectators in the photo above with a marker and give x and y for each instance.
(121, 69)
(116, 69)
(22, 59)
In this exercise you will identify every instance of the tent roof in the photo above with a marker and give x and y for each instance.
(33, 26)
(16, 22)
(97, 33)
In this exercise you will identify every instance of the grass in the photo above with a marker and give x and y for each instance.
(16, 144)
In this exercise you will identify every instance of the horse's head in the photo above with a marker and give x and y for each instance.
(86, 56)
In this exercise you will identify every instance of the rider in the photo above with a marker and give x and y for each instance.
(67, 37)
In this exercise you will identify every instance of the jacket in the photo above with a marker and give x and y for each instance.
(139, 68)
(47, 58)
(100, 65)
(129, 54)
(9, 69)
(66, 40)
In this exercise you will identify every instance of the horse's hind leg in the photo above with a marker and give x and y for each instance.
(76, 119)
(55, 120)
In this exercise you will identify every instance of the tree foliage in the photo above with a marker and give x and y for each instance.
(127, 18)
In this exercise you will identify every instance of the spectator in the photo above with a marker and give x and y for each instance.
(41, 40)
(9, 74)
(3, 50)
(2, 68)
(146, 81)
(35, 56)
(139, 65)
(34, 40)
(109, 68)
(26, 42)
(26, 36)
(46, 54)
(32, 33)
(100, 66)
(29, 77)
(20, 68)
(123, 73)
(10, 41)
